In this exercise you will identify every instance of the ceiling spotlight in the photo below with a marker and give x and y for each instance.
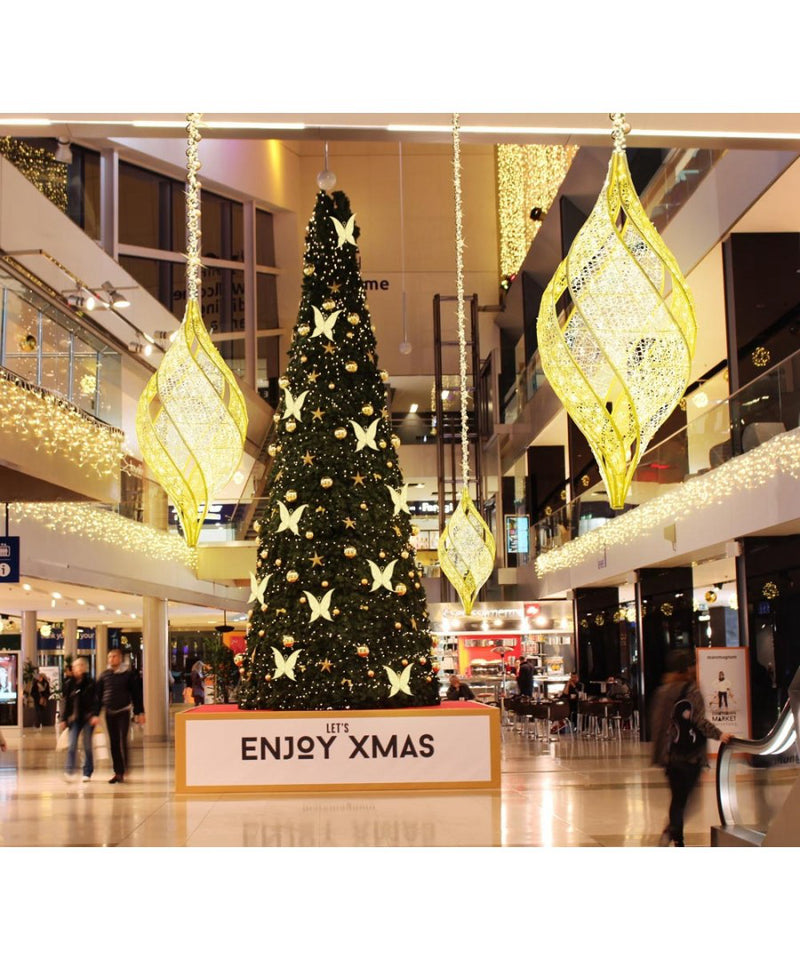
(56, 595)
(117, 299)
(27, 586)
(63, 152)
(119, 613)
(101, 606)
(135, 347)
(76, 301)
(413, 408)
(148, 349)
(81, 603)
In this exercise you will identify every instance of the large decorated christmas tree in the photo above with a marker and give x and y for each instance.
(339, 615)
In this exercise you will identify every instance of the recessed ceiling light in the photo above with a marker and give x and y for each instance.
(81, 603)
(101, 606)
(413, 408)
(119, 613)
(27, 586)
(132, 616)
(56, 595)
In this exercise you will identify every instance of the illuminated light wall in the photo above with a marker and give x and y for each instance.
(528, 176)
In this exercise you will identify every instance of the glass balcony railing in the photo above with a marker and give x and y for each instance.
(720, 428)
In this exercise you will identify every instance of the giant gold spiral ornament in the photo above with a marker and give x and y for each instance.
(619, 356)
(466, 547)
(191, 419)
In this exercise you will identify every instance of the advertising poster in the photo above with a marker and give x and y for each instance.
(8, 677)
(722, 675)
(517, 534)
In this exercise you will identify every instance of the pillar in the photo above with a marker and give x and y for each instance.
(155, 642)
(155, 507)
(100, 648)
(29, 637)
(70, 638)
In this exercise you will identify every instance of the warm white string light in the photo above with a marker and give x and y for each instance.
(462, 338)
(193, 262)
(748, 471)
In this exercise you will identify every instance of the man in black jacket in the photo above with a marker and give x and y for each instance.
(119, 689)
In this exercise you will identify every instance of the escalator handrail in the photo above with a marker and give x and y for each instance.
(777, 740)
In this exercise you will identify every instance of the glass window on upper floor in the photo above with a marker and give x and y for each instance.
(83, 190)
(267, 298)
(151, 209)
(222, 225)
(265, 239)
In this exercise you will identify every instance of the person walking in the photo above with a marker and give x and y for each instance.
(41, 699)
(680, 730)
(80, 715)
(118, 690)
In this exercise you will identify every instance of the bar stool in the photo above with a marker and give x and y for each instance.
(558, 712)
(540, 712)
(622, 714)
(584, 718)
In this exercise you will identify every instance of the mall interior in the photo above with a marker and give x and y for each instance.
(704, 555)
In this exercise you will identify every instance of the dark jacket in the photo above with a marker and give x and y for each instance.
(80, 702)
(664, 700)
(525, 679)
(117, 690)
(463, 692)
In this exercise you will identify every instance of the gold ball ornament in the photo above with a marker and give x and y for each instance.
(276, 417)
(401, 589)
(404, 662)
(382, 555)
(291, 496)
(292, 576)
(416, 586)
(263, 608)
(278, 562)
(389, 464)
(309, 534)
(288, 641)
(304, 359)
(395, 441)
(711, 596)
(304, 329)
(308, 269)
(263, 554)
(303, 600)
(261, 633)
(384, 375)
(325, 583)
(350, 552)
(404, 554)
(423, 661)
(364, 506)
(372, 327)
(291, 426)
(326, 483)
(272, 449)
(340, 433)
(351, 366)
(370, 673)
(268, 677)
(414, 530)
(283, 382)
(257, 526)
(353, 318)
(398, 626)
(328, 305)
(364, 581)
(336, 611)
(350, 335)
(363, 651)
(331, 386)
(368, 410)
(382, 444)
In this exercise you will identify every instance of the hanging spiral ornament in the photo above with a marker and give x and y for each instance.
(191, 419)
(466, 547)
(619, 356)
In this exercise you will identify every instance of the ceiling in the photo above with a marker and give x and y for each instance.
(714, 130)
(120, 609)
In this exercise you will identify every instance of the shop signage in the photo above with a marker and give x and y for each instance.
(368, 749)
(722, 676)
(217, 513)
(532, 609)
(517, 534)
(9, 559)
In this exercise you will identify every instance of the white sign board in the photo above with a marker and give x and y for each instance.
(722, 676)
(243, 750)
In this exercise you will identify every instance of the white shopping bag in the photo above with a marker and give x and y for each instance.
(99, 743)
(63, 739)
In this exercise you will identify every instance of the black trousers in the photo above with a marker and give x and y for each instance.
(119, 725)
(682, 780)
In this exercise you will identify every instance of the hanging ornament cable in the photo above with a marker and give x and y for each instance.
(462, 338)
(193, 262)
(405, 346)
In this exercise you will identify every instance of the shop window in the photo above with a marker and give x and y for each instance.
(222, 300)
(232, 352)
(267, 298)
(83, 190)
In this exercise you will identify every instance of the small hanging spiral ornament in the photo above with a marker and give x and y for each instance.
(466, 547)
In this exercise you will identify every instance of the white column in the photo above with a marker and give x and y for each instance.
(70, 638)
(29, 649)
(155, 641)
(100, 648)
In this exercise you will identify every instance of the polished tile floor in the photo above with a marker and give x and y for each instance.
(570, 793)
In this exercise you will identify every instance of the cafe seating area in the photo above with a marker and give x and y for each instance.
(598, 718)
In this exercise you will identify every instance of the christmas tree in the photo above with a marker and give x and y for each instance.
(339, 616)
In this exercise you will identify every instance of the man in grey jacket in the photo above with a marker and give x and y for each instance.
(683, 765)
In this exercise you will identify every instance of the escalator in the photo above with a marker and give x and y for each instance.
(758, 784)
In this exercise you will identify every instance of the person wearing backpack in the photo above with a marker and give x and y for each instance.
(680, 731)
